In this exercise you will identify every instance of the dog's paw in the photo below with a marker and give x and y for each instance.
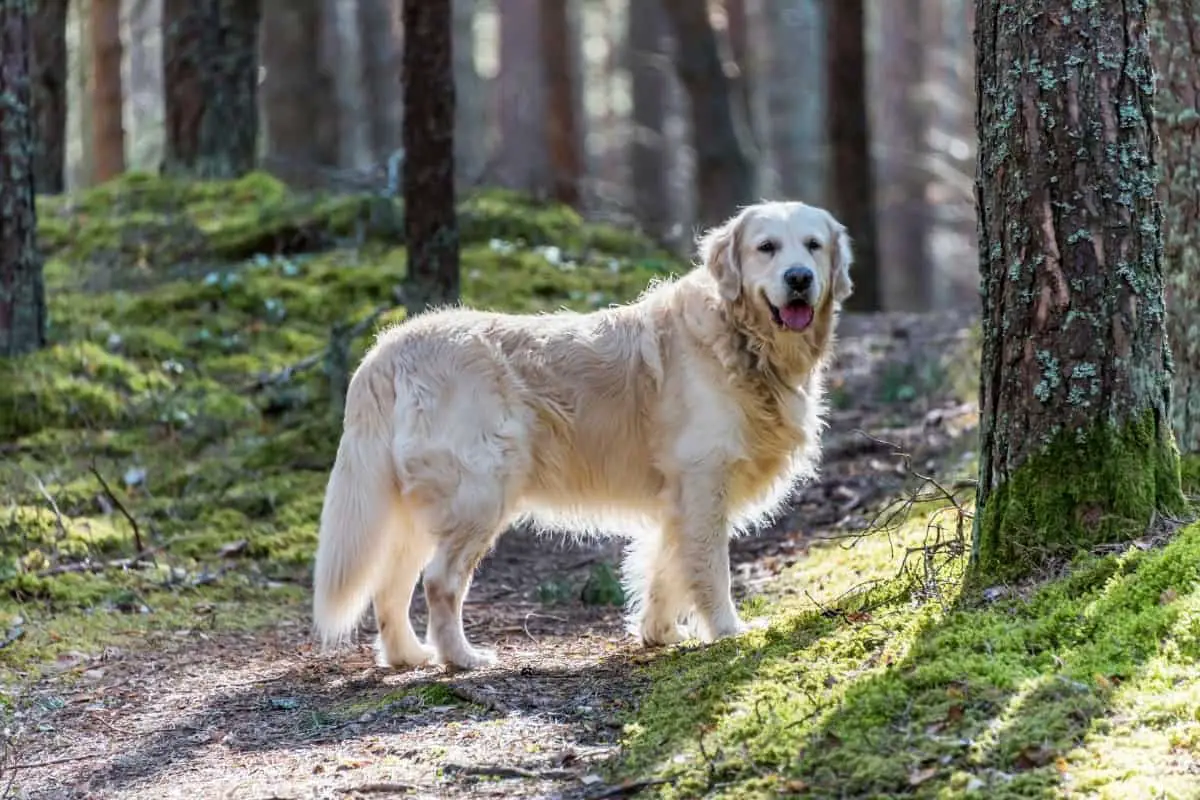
(412, 655)
(467, 658)
(661, 634)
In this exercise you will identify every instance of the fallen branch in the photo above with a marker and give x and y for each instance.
(630, 787)
(377, 788)
(501, 771)
(469, 695)
(112, 498)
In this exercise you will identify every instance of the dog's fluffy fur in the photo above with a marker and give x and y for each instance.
(674, 420)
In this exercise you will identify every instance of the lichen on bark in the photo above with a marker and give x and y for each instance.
(1076, 446)
(1175, 45)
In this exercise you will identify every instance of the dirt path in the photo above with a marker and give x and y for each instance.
(210, 714)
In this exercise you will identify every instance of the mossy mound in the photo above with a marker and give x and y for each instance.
(1087, 686)
(169, 303)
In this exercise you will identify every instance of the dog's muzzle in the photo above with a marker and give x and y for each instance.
(796, 314)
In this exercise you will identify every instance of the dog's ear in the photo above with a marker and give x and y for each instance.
(719, 249)
(842, 258)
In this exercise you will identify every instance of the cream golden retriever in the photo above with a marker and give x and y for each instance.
(675, 420)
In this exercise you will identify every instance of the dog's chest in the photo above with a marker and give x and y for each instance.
(772, 431)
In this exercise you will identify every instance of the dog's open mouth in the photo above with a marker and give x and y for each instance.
(795, 316)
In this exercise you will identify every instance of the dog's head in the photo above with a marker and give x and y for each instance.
(784, 262)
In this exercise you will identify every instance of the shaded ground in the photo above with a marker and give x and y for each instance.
(203, 711)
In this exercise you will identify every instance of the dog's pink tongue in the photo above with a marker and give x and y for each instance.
(797, 316)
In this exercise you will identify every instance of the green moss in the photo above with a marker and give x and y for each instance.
(1189, 468)
(1087, 686)
(169, 300)
(1080, 490)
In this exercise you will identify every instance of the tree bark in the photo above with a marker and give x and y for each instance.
(104, 85)
(1076, 444)
(649, 42)
(903, 125)
(49, 79)
(724, 174)
(563, 139)
(852, 174)
(210, 76)
(430, 219)
(1175, 44)
(22, 290)
(296, 95)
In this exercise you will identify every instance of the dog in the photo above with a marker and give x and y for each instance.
(677, 420)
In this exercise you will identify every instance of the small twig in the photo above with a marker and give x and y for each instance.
(630, 787)
(376, 788)
(54, 762)
(58, 517)
(112, 498)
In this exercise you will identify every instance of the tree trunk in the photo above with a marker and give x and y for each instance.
(381, 66)
(903, 124)
(851, 177)
(79, 100)
(22, 290)
(142, 82)
(48, 67)
(521, 88)
(723, 172)
(1175, 43)
(296, 94)
(744, 83)
(471, 111)
(210, 76)
(650, 68)
(790, 44)
(430, 219)
(1076, 444)
(104, 85)
(563, 140)
(345, 59)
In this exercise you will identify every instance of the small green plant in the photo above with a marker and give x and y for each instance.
(603, 587)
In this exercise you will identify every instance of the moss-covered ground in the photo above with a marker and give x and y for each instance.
(161, 473)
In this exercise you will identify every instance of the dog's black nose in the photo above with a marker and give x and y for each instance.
(798, 279)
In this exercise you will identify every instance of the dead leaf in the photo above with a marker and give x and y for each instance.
(1032, 756)
(1168, 596)
(919, 776)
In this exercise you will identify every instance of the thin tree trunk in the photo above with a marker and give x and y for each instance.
(345, 57)
(79, 99)
(142, 82)
(210, 69)
(470, 115)
(650, 69)
(22, 290)
(790, 45)
(381, 66)
(723, 173)
(49, 81)
(851, 179)
(1175, 43)
(565, 145)
(104, 85)
(296, 94)
(1076, 444)
(430, 219)
(899, 79)
(521, 87)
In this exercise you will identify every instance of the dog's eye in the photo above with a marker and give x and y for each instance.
(767, 247)
(812, 245)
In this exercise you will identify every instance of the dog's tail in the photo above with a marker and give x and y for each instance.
(361, 502)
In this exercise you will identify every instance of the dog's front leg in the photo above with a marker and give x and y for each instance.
(702, 530)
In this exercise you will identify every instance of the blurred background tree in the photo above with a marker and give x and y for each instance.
(662, 113)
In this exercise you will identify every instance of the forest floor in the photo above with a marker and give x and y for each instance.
(195, 676)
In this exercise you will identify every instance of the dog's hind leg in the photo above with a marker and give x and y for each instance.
(398, 644)
(468, 527)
